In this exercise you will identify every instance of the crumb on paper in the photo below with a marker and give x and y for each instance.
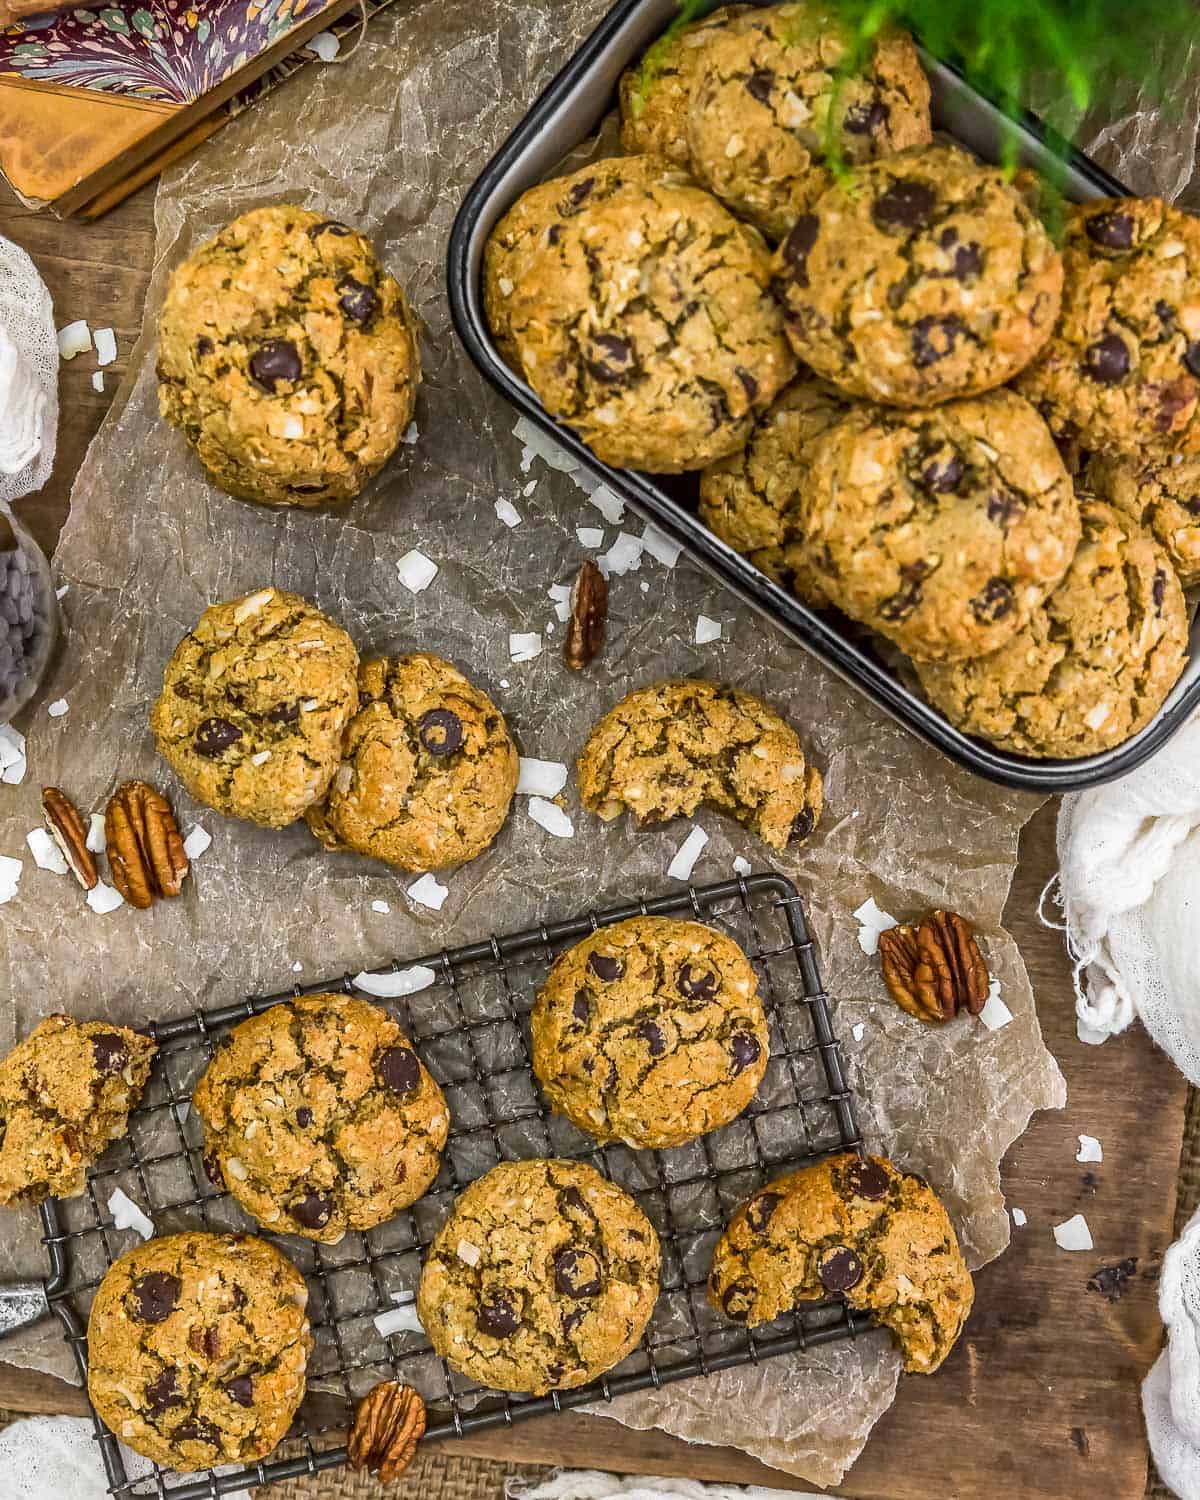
(416, 571)
(550, 816)
(1090, 1149)
(325, 45)
(382, 907)
(1073, 1234)
(858, 1031)
(96, 838)
(610, 506)
(872, 920)
(106, 348)
(507, 512)
(75, 338)
(429, 891)
(402, 1319)
(392, 985)
(1019, 1218)
(127, 1215)
(524, 645)
(590, 536)
(10, 877)
(624, 556)
(540, 778)
(687, 854)
(58, 708)
(97, 385)
(46, 853)
(707, 630)
(103, 898)
(410, 434)
(741, 866)
(660, 546)
(197, 841)
(995, 1013)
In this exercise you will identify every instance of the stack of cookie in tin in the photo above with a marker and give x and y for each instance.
(904, 400)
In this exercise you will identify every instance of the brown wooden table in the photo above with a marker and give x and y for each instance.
(1041, 1397)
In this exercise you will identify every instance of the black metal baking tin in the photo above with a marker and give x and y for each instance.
(565, 114)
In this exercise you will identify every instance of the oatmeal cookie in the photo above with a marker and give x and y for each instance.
(253, 706)
(543, 1277)
(943, 529)
(650, 1032)
(649, 327)
(750, 498)
(288, 357)
(758, 111)
(428, 768)
(667, 748)
(197, 1348)
(1162, 496)
(1092, 665)
(319, 1117)
(1121, 373)
(926, 277)
(862, 1230)
(65, 1092)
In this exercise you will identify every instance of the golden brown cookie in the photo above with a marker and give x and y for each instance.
(428, 768)
(288, 356)
(1092, 665)
(543, 1277)
(319, 1117)
(65, 1092)
(197, 1347)
(650, 1032)
(1162, 496)
(858, 1229)
(666, 749)
(253, 706)
(926, 276)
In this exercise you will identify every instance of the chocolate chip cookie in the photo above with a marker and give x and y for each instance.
(428, 768)
(667, 748)
(750, 499)
(65, 1093)
(253, 706)
(319, 1117)
(1122, 371)
(943, 529)
(648, 326)
(288, 357)
(1162, 496)
(861, 1230)
(197, 1347)
(762, 91)
(1092, 665)
(650, 1032)
(543, 1277)
(926, 276)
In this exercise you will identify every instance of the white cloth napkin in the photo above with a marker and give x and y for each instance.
(28, 376)
(590, 1484)
(1171, 1392)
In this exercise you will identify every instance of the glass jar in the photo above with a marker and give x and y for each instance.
(29, 617)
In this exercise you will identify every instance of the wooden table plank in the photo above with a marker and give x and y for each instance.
(1042, 1394)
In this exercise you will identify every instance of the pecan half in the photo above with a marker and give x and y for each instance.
(589, 615)
(934, 971)
(145, 849)
(66, 827)
(389, 1422)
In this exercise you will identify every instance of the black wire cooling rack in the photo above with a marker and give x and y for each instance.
(471, 1028)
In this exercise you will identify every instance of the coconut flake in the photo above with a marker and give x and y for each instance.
(401, 1319)
(260, 757)
(12, 746)
(46, 853)
(550, 816)
(127, 1215)
(872, 920)
(507, 512)
(524, 645)
(610, 506)
(561, 594)
(995, 1013)
(687, 854)
(297, 967)
(97, 385)
(469, 1254)
(1074, 1234)
(707, 630)
(106, 346)
(197, 841)
(660, 546)
(382, 907)
(1018, 1218)
(61, 591)
(58, 708)
(429, 891)
(624, 556)
(1090, 1149)
(541, 778)
(416, 572)
(103, 898)
(10, 876)
(741, 866)
(410, 434)
(590, 536)
(858, 1031)
(539, 445)
(96, 839)
(75, 338)
(325, 45)
(392, 985)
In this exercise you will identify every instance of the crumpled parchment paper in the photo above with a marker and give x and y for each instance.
(390, 141)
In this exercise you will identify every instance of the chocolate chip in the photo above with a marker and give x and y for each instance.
(581, 1006)
(865, 119)
(695, 983)
(868, 1180)
(237, 1297)
(651, 1033)
(1191, 359)
(1158, 589)
(994, 603)
(556, 1371)
(802, 824)
(611, 359)
(840, 1269)
(577, 1273)
(162, 1393)
(759, 85)
(440, 731)
(197, 1430)
(156, 1295)
(760, 1209)
(580, 190)
(554, 234)
(905, 205)
(1107, 360)
(1114, 231)
(798, 246)
(745, 1050)
(399, 1070)
(204, 346)
(205, 1340)
(276, 360)
(212, 1169)
(314, 1210)
(329, 226)
(499, 1316)
(283, 713)
(358, 301)
(304, 1117)
(575, 1198)
(943, 473)
(932, 339)
(1166, 313)
(110, 1051)
(1002, 506)
(241, 1390)
(749, 384)
(968, 261)
(905, 600)
(215, 736)
(1110, 1281)
(604, 966)
(738, 1301)
(572, 1318)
